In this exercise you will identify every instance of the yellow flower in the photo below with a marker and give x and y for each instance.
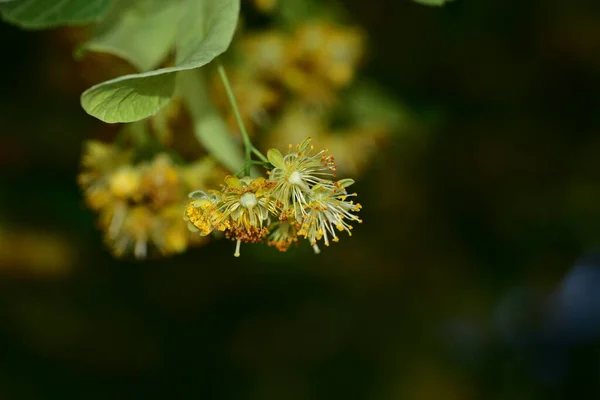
(140, 205)
(247, 202)
(340, 55)
(125, 182)
(296, 173)
(266, 54)
(327, 212)
(240, 209)
(100, 157)
(129, 229)
(161, 183)
(99, 163)
(283, 235)
(325, 58)
(171, 235)
(203, 214)
(139, 230)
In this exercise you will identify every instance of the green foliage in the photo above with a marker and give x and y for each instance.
(205, 31)
(129, 98)
(139, 31)
(146, 32)
(40, 14)
(432, 2)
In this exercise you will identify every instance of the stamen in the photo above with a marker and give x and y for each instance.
(237, 248)
(316, 249)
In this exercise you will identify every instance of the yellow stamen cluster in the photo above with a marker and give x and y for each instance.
(203, 213)
(241, 209)
(283, 234)
(296, 172)
(328, 210)
(298, 200)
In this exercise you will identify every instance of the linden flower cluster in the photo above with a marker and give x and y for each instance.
(140, 204)
(298, 200)
(312, 63)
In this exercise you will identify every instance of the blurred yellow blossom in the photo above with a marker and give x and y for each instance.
(29, 251)
(274, 69)
(265, 54)
(325, 57)
(140, 205)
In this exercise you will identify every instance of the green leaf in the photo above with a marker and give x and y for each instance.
(432, 2)
(210, 129)
(40, 14)
(139, 31)
(128, 99)
(205, 31)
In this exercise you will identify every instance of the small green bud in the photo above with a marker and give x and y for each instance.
(197, 195)
(192, 228)
(344, 183)
(233, 181)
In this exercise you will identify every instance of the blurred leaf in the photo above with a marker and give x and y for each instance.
(139, 31)
(432, 2)
(205, 31)
(209, 127)
(40, 14)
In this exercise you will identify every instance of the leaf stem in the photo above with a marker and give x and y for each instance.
(248, 146)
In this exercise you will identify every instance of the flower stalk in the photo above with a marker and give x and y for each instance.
(248, 146)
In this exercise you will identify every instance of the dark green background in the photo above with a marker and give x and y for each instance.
(496, 192)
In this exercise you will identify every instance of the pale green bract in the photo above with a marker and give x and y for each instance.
(140, 31)
(40, 14)
(206, 29)
(275, 158)
(209, 128)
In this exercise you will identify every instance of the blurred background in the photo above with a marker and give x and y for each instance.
(474, 274)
